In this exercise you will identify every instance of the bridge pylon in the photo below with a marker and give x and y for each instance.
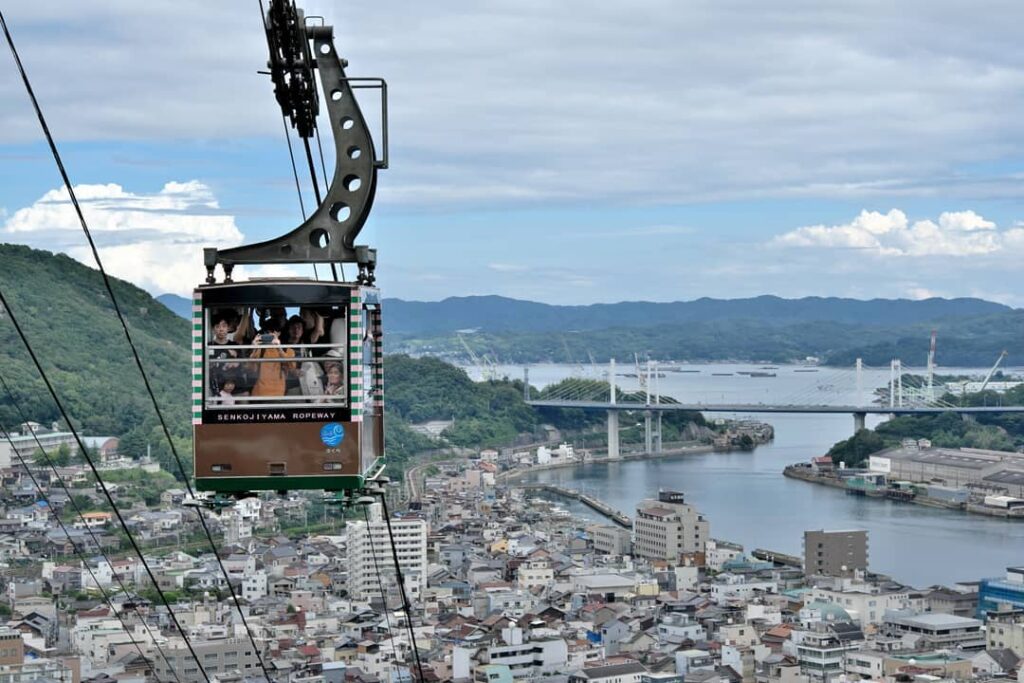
(613, 435)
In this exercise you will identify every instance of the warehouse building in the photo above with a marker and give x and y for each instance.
(1001, 471)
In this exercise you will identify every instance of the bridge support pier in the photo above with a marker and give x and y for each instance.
(859, 422)
(613, 435)
(657, 435)
(648, 433)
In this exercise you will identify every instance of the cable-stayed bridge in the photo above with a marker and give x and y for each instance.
(657, 389)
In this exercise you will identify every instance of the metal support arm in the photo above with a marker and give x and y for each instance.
(329, 234)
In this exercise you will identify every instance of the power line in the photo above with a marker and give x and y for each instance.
(316, 187)
(323, 167)
(81, 515)
(295, 174)
(92, 466)
(380, 584)
(401, 584)
(81, 555)
(131, 343)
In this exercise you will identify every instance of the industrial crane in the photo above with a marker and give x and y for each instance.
(991, 372)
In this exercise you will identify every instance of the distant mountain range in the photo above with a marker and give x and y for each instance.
(177, 304)
(502, 314)
(971, 331)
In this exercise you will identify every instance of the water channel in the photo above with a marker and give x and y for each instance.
(747, 500)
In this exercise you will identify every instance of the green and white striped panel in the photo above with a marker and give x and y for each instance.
(378, 362)
(197, 358)
(355, 355)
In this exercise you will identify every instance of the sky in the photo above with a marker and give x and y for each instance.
(570, 152)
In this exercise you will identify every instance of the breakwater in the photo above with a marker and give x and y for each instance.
(594, 504)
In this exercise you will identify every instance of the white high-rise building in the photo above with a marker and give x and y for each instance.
(370, 552)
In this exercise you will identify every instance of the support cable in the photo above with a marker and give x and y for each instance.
(131, 343)
(380, 584)
(99, 480)
(401, 585)
(288, 139)
(323, 168)
(81, 556)
(295, 174)
(316, 187)
(81, 516)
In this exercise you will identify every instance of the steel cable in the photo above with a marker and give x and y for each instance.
(124, 326)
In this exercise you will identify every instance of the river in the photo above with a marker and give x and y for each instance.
(747, 500)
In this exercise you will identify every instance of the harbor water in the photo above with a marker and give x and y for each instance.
(749, 501)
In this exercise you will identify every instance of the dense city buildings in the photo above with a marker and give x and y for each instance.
(503, 585)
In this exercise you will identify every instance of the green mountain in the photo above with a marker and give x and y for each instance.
(178, 304)
(64, 309)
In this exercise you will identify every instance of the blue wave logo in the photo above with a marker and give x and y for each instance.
(332, 434)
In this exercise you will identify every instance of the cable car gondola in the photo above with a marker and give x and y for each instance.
(278, 412)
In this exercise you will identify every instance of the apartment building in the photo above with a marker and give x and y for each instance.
(667, 528)
(221, 656)
(1005, 631)
(372, 561)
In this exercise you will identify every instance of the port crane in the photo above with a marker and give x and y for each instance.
(992, 371)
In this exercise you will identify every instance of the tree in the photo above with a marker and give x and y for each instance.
(855, 450)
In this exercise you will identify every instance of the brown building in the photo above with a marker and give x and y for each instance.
(835, 553)
(12, 647)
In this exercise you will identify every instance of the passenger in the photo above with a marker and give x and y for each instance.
(276, 313)
(295, 333)
(221, 321)
(315, 325)
(335, 380)
(270, 378)
(244, 332)
(335, 376)
(227, 390)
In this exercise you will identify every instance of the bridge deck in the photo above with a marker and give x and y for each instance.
(766, 408)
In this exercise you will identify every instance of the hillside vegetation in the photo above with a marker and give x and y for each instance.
(65, 311)
(991, 431)
(67, 316)
(963, 342)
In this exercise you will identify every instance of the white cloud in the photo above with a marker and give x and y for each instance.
(955, 233)
(526, 102)
(919, 293)
(153, 240)
(508, 267)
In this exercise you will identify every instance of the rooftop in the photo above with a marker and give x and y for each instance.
(935, 620)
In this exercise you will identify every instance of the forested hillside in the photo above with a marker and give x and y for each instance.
(490, 413)
(67, 316)
(995, 431)
(65, 311)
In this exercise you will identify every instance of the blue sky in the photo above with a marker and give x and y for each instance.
(570, 154)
